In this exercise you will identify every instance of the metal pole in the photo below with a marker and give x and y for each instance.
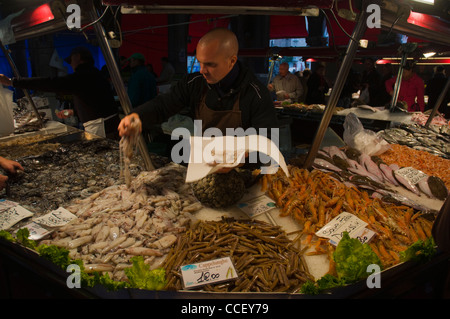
(398, 82)
(25, 91)
(117, 82)
(438, 102)
(358, 32)
(272, 64)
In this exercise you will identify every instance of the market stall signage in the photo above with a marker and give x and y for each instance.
(346, 222)
(208, 272)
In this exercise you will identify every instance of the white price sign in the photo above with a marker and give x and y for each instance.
(56, 218)
(256, 206)
(208, 272)
(345, 222)
(411, 174)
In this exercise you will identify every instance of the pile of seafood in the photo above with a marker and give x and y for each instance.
(419, 138)
(264, 257)
(302, 108)
(219, 190)
(27, 146)
(74, 170)
(380, 174)
(118, 222)
(424, 161)
(315, 198)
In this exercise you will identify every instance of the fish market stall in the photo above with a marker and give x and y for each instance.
(135, 238)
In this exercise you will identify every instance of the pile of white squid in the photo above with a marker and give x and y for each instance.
(120, 222)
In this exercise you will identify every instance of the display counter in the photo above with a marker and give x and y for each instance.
(25, 274)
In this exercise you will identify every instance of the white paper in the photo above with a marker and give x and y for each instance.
(345, 222)
(257, 205)
(12, 216)
(210, 154)
(36, 231)
(208, 272)
(56, 218)
(6, 204)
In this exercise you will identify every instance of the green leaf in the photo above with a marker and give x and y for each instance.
(140, 275)
(352, 259)
(420, 251)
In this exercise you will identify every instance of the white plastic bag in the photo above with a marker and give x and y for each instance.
(6, 112)
(365, 141)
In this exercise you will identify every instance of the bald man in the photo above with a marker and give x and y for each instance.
(224, 94)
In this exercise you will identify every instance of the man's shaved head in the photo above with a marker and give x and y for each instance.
(217, 54)
(225, 40)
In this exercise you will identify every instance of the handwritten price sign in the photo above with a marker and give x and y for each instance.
(208, 272)
(345, 222)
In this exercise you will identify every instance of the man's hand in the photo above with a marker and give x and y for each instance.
(125, 124)
(64, 114)
(5, 80)
(10, 166)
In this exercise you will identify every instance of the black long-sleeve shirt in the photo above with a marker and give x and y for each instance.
(255, 102)
(92, 93)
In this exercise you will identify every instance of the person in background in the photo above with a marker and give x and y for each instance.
(167, 72)
(286, 85)
(142, 84)
(304, 81)
(371, 80)
(434, 89)
(412, 87)
(92, 95)
(317, 86)
(9, 166)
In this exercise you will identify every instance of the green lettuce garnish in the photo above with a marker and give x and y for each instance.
(420, 251)
(352, 259)
(140, 275)
(7, 236)
(22, 237)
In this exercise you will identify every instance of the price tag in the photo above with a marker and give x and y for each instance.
(37, 232)
(345, 222)
(256, 206)
(56, 218)
(12, 216)
(6, 204)
(208, 272)
(411, 174)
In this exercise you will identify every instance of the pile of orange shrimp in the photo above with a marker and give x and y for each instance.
(428, 163)
(314, 198)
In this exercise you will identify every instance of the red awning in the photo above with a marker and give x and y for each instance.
(200, 24)
(287, 27)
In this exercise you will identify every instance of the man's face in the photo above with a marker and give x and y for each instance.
(214, 64)
(284, 69)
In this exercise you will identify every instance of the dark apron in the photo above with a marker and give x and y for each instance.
(220, 119)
